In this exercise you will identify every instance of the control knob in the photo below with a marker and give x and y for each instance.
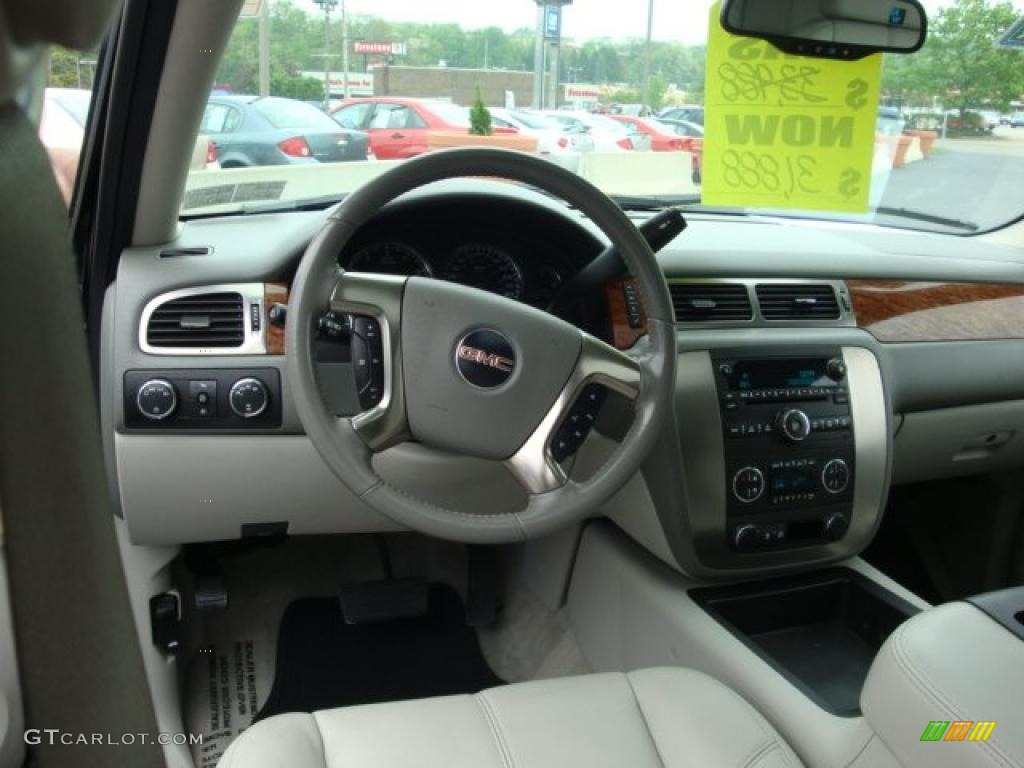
(835, 476)
(157, 399)
(794, 425)
(248, 397)
(746, 538)
(836, 526)
(748, 484)
(835, 369)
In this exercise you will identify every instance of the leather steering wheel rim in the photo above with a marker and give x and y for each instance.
(347, 444)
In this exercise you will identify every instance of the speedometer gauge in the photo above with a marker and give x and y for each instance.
(480, 265)
(389, 258)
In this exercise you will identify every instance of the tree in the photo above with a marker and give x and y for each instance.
(302, 88)
(961, 63)
(656, 90)
(480, 117)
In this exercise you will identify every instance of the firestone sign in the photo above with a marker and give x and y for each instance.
(380, 48)
(580, 92)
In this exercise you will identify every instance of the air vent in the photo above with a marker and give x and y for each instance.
(797, 301)
(200, 321)
(710, 302)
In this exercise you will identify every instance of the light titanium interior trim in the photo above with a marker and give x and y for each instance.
(254, 342)
(871, 431)
(846, 315)
(533, 465)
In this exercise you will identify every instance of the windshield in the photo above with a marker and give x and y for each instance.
(393, 79)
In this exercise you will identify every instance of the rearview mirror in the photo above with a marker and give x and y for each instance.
(834, 29)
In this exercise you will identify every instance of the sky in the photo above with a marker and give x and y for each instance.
(683, 21)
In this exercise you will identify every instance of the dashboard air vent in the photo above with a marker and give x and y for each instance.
(710, 302)
(797, 301)
(203, 320)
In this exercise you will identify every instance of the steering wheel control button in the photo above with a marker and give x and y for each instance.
(248, 398)
(485, 358)
(157, 399)
(795, 425)
(578, 423)
(748, 484)
(202, 397)
(835, 476)
(368, 361)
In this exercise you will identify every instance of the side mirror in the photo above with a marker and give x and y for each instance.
(834, 29)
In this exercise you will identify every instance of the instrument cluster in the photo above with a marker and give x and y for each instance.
(504, 268)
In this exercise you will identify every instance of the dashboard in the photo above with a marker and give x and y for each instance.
(789, 430)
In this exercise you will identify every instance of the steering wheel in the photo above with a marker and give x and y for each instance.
(473, 373)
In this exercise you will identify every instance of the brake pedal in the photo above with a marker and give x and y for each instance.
(367, 602)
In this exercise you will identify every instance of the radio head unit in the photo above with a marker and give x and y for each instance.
(789, 449)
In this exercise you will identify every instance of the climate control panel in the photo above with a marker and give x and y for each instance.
(789, 442)
(219, 398)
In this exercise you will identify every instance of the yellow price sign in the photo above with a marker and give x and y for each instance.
(784, 131)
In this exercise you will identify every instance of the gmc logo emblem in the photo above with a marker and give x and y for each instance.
(489, 360)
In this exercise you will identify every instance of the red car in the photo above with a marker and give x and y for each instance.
(663, 139)
(399, 128)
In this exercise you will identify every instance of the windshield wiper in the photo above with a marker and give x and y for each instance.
(654, 202)
(931, 218)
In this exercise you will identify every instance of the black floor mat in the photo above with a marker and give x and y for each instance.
(322, 662)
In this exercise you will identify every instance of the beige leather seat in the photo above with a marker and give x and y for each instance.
(655, 717)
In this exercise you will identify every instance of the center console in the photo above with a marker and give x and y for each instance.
(788, 447)
(785, 453)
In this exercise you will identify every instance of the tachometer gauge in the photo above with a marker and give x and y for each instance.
(483, 266)
(389, 258)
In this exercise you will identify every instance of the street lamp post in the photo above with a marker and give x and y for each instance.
(344, 51)
(646, 96)
(326, 6)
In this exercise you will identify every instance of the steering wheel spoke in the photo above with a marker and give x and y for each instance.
(537, 465)
(375, 302)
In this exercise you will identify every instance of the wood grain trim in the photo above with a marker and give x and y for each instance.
(901, 311)
(274, 293)
(623, 334)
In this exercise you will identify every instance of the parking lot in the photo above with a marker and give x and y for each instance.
(974, 180)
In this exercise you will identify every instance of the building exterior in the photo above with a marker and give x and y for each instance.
(496, 86)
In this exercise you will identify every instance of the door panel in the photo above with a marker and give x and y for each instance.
(396, 132)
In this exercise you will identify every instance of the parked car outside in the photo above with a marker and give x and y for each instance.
(268, 130)
(62, 129)
(692, 113)
(991, 118)
(554, 140)
(663, 136)
(1017, 120)
(608, 134)
(683, 128)
(400, 128)
(632, 110)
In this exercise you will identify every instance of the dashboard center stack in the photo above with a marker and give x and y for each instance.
(789, 449)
